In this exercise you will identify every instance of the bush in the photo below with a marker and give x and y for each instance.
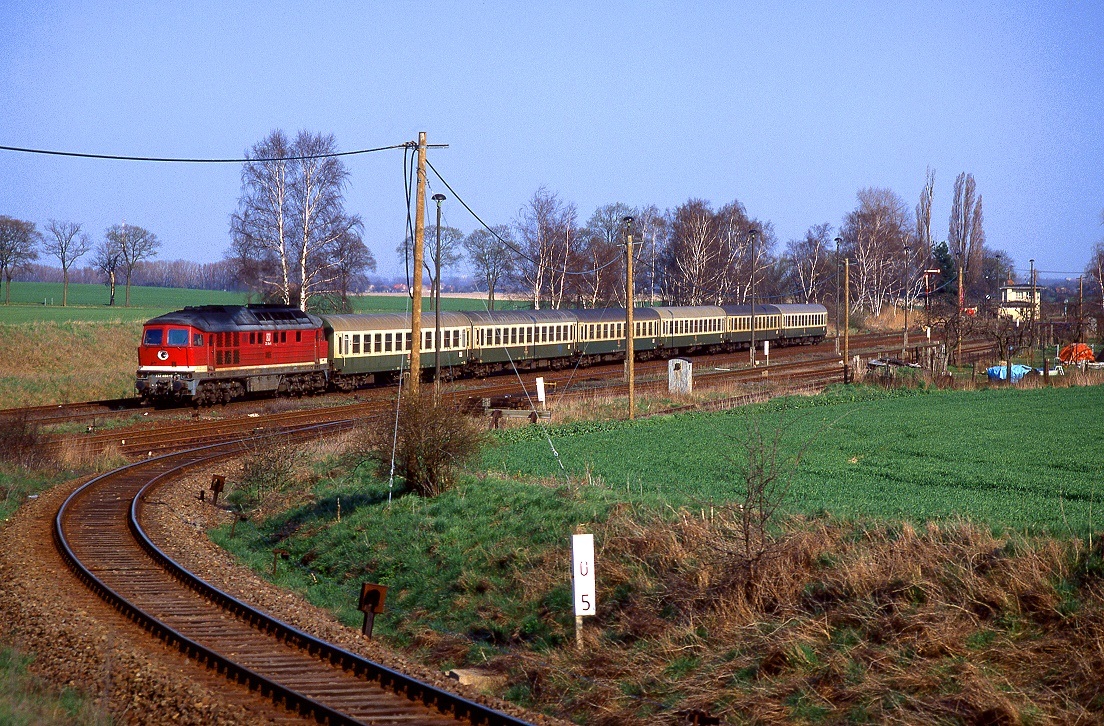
(434, 437)
(22, 442)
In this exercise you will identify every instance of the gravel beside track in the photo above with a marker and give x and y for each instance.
(77, 640)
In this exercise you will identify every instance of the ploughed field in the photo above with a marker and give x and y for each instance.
(936, 559)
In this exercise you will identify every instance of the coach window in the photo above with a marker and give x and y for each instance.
(387, 342)
(356, 343)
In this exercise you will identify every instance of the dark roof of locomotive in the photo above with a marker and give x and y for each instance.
(222, 318)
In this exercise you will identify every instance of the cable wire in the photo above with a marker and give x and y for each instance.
(187, 160)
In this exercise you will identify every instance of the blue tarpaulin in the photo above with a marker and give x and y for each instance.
(1000, 373)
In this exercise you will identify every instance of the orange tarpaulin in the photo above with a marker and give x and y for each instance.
(1075, 353)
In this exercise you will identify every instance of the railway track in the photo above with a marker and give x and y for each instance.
(98, 531)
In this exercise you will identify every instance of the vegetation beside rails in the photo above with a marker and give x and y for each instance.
(27, 699)
(938, 561)
(66, 362)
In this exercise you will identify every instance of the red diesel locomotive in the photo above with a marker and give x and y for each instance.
(214, 353)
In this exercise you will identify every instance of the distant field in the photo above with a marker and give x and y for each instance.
(89, 303)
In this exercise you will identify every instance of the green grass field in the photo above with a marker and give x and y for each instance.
(41, 301)
(1026, 459)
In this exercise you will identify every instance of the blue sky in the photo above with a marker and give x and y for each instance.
(789, 108)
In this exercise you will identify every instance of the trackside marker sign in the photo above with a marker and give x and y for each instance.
(582, 551)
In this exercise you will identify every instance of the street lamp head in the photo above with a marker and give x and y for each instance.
(838, 240)
(627, 219)
(438, 197)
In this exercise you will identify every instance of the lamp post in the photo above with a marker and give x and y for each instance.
(751, 238)
(838, 240)
(630, 351)
(437, 299)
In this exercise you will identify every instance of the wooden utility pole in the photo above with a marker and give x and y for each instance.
(847, 313)
(416, 280)
(629, 348)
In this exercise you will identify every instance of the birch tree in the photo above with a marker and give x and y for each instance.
(810, 262)
(546, 235)
(291, 227)
(692, 253)
(875, 234)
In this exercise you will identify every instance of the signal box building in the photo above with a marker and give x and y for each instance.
(1018, 302)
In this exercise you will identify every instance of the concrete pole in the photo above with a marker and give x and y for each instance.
(847, 313)
(630, 350)
(751, 349)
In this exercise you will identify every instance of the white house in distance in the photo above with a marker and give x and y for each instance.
(1016, 302)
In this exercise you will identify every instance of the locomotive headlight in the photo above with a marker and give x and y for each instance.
(162, 355)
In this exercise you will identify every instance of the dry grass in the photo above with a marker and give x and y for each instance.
(844, 623)
(48, 362)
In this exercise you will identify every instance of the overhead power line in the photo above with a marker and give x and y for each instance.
(186, 160)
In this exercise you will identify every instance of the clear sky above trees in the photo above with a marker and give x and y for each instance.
(790, 109)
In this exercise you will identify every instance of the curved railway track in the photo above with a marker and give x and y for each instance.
(98, 531)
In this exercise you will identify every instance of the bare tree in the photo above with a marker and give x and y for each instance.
(354, 259)
(652, 225)
(260, 229)
(875, 235)
(68, 245)
(107, 259)
(318, 206)
(924, 241)
(291, 227)
(452, 250)
(547, 236)
(737, 262)
(602, 282)
(491, 258)
(811, 261)
(1095, 269)
(692, 253)
(966, 234)
(18, 240)
(134, 244)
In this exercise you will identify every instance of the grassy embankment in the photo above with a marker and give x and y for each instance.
(935, 564)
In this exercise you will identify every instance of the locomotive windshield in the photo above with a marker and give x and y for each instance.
(178, 336)
(154, 336)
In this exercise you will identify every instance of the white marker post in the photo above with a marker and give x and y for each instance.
(540, 391)
(766, 350)
(582, 554)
